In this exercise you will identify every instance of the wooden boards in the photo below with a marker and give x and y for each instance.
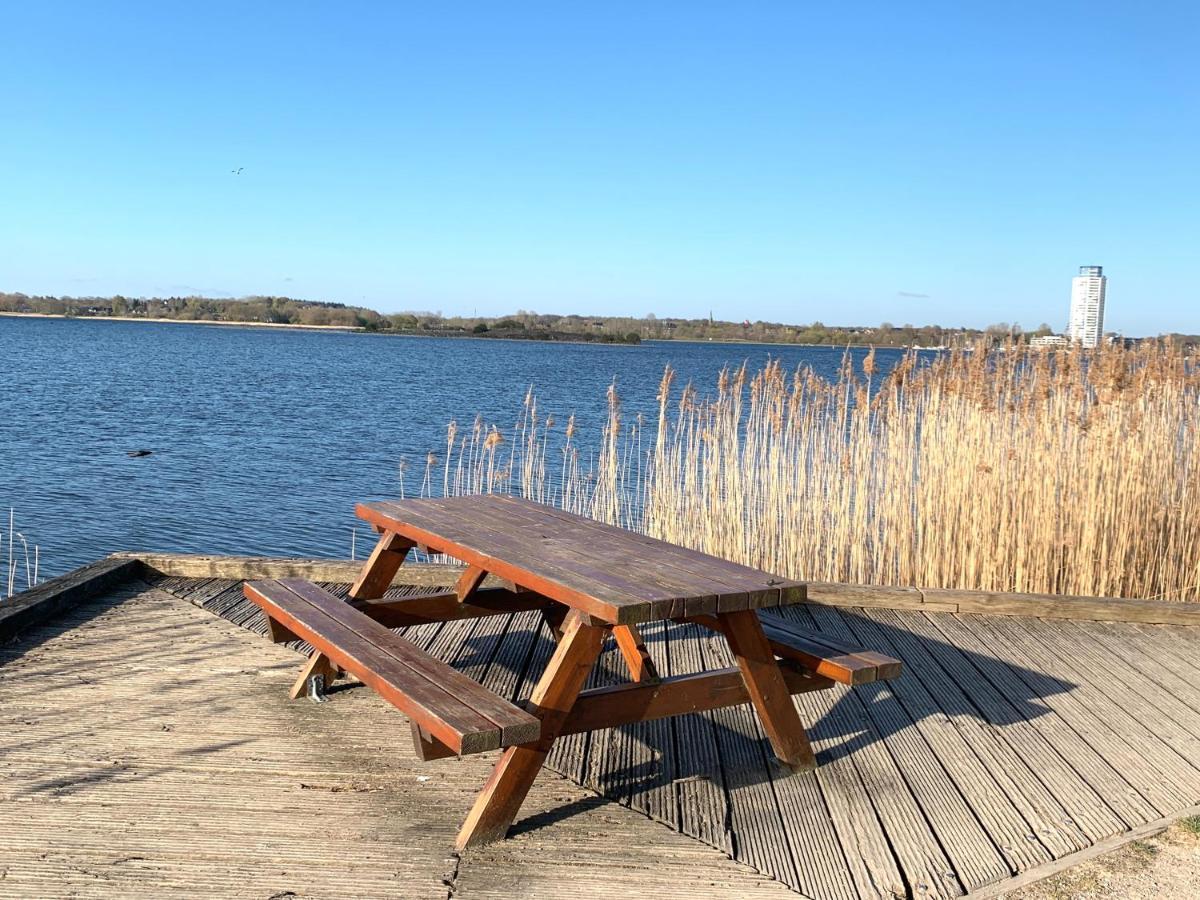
(459, 712)
(896, 806)
(614, 574)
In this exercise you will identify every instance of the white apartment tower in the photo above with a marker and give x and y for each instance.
(1087, 306)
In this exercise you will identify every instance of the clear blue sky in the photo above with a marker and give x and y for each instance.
(851, 163)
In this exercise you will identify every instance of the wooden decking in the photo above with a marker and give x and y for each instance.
(149, 750)
(1009, 744)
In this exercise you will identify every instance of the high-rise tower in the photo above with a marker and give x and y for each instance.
(1087, 306)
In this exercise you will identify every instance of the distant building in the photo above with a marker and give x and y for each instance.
(1049, 340)
(1087, 306)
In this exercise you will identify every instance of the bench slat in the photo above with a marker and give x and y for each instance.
(457, 710)
(515, 724)
(825, 655)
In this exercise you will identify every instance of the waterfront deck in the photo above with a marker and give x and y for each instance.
(150, 748)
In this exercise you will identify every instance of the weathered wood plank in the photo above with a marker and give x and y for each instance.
(700, 778)
(55, 596)
(1051, 716)
(1061, 690)
(1045, 818)
(1082, 806)
(1163, 744)
(923, 863)
(997, 811)
(972, 853)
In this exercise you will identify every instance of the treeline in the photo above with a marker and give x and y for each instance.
(273, 310)
(522, 324)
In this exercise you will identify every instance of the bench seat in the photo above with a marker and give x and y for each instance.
(819, 653)
(456, 710)
(825, 655)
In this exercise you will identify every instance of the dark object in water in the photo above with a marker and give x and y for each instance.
(137, 453)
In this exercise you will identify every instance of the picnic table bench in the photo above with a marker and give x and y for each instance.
(589, 580)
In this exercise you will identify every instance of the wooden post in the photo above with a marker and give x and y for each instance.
(381, 567)
(633, 649)
(501, 798)
(768, 691)
(468, 583)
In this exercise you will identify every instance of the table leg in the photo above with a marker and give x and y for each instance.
(554, 615)
(768, 691)
(500, 800)
(633, 649)
(381, 567)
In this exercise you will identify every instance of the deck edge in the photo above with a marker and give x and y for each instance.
(993, 603)
(51, 598)
(1071, 860)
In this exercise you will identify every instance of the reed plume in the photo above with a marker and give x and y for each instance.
(1002, 469)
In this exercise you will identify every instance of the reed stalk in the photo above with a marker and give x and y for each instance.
(1002, 470)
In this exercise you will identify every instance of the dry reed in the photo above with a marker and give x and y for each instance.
(1064, 473)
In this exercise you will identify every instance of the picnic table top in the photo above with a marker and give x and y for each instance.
(616, 574)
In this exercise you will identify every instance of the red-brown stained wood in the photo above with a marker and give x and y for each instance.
(428, 747)
(633, 651)
(554, 615)
(679, 695)
(500, 800)
(817, 653)
(571, 559)
(456, 710)
(885, 666)
(277, 633)
(444, 606)
(468, 582)
(768, 691)
(381, 566)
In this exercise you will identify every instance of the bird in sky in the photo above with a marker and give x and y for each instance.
(238, 170)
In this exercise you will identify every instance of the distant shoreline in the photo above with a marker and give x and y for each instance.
(24, 315)
(558, 338)
(354, 329)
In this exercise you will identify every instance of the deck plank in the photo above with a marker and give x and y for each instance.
(1073, 702)
(881, 806)
(1082, 806)
(925, 867)
(179, 765)
(1164, 746)
(1044, 816)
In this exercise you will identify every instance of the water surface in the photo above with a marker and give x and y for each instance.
(264, 439)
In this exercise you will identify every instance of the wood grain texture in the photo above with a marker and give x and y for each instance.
(609, 572)
(880, 802)
(456, 710)
(178, 767)
(551, 701)
(768, 691)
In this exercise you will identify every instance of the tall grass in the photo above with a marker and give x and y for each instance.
(1064, 473)
(19, 550)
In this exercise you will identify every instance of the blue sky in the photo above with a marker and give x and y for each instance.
(851, 163)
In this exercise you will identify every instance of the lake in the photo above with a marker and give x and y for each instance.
(264, 439)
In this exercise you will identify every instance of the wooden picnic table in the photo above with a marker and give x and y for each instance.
(589, 580)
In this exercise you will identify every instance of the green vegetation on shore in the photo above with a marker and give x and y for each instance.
(522, 324)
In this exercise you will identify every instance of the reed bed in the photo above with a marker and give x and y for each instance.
(1003, 470)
